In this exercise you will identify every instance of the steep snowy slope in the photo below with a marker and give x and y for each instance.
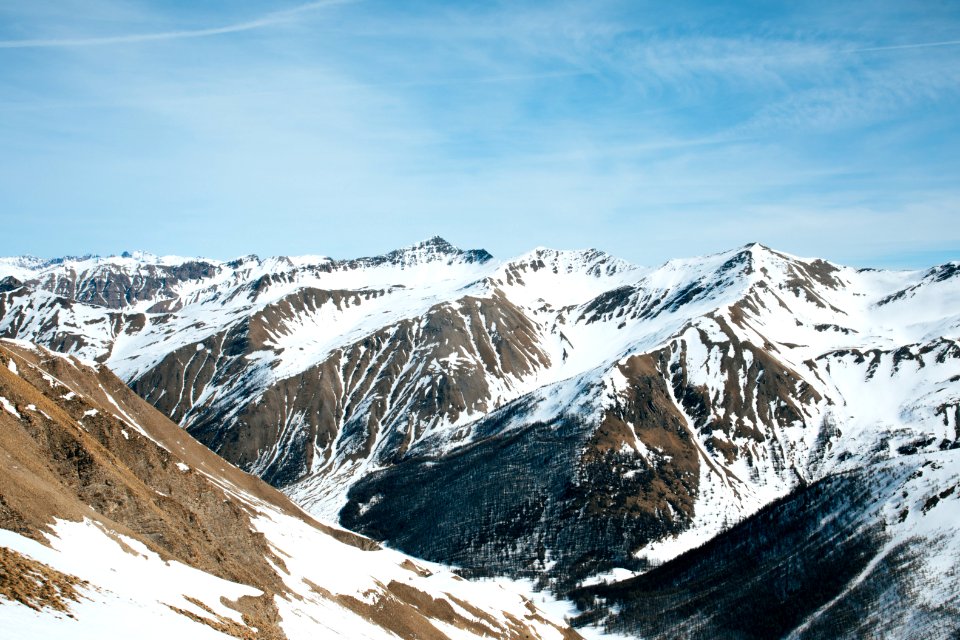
(115, 523)
(589, 416)
(870, 553)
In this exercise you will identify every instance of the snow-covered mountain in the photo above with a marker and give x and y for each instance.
(114, 523)
(558, 416)
(868, 553)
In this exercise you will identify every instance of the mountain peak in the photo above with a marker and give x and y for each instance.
(757, 250)
(437, 242)
(590, 261)
(436, 249)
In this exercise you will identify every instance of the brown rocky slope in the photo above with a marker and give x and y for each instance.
(82, 455)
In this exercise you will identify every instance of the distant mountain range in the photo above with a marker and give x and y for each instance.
(569, 417)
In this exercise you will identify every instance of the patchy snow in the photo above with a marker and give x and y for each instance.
(614, 575)
(590, 321)
(12, 366)
(6, 404)
(855, 337)
(127, 418)
(183, 467)
(563, 278)
(349, 571)
(560, 610)
(132, 592)
(918, 501)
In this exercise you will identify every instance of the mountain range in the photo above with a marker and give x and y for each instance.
(623, 436)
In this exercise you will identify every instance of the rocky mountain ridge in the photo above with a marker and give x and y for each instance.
(593, 418)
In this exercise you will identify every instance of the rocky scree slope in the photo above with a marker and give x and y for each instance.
(592, 418)
(115, 523)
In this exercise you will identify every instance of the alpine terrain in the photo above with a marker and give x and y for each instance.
(114, 523)
(746, 444)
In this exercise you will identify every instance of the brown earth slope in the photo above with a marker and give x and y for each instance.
(76, 444)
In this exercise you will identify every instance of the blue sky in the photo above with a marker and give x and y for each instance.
(648, 129)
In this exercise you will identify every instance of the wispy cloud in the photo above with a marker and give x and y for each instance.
(916, 45)
(608, 123)
(267, 20)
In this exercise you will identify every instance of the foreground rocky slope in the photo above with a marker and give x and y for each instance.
(563, 416)
(115, 523)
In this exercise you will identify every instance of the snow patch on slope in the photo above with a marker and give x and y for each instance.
(131, 584)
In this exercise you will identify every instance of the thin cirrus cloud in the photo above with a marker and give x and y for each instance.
(506, 126)
(915, 45)
(267, 20)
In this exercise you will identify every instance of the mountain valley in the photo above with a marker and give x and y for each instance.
(621, 436)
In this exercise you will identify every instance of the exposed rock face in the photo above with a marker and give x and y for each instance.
(193, 542)
(116, 289)
(587, 415)
(366, 400)
(553, 501)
